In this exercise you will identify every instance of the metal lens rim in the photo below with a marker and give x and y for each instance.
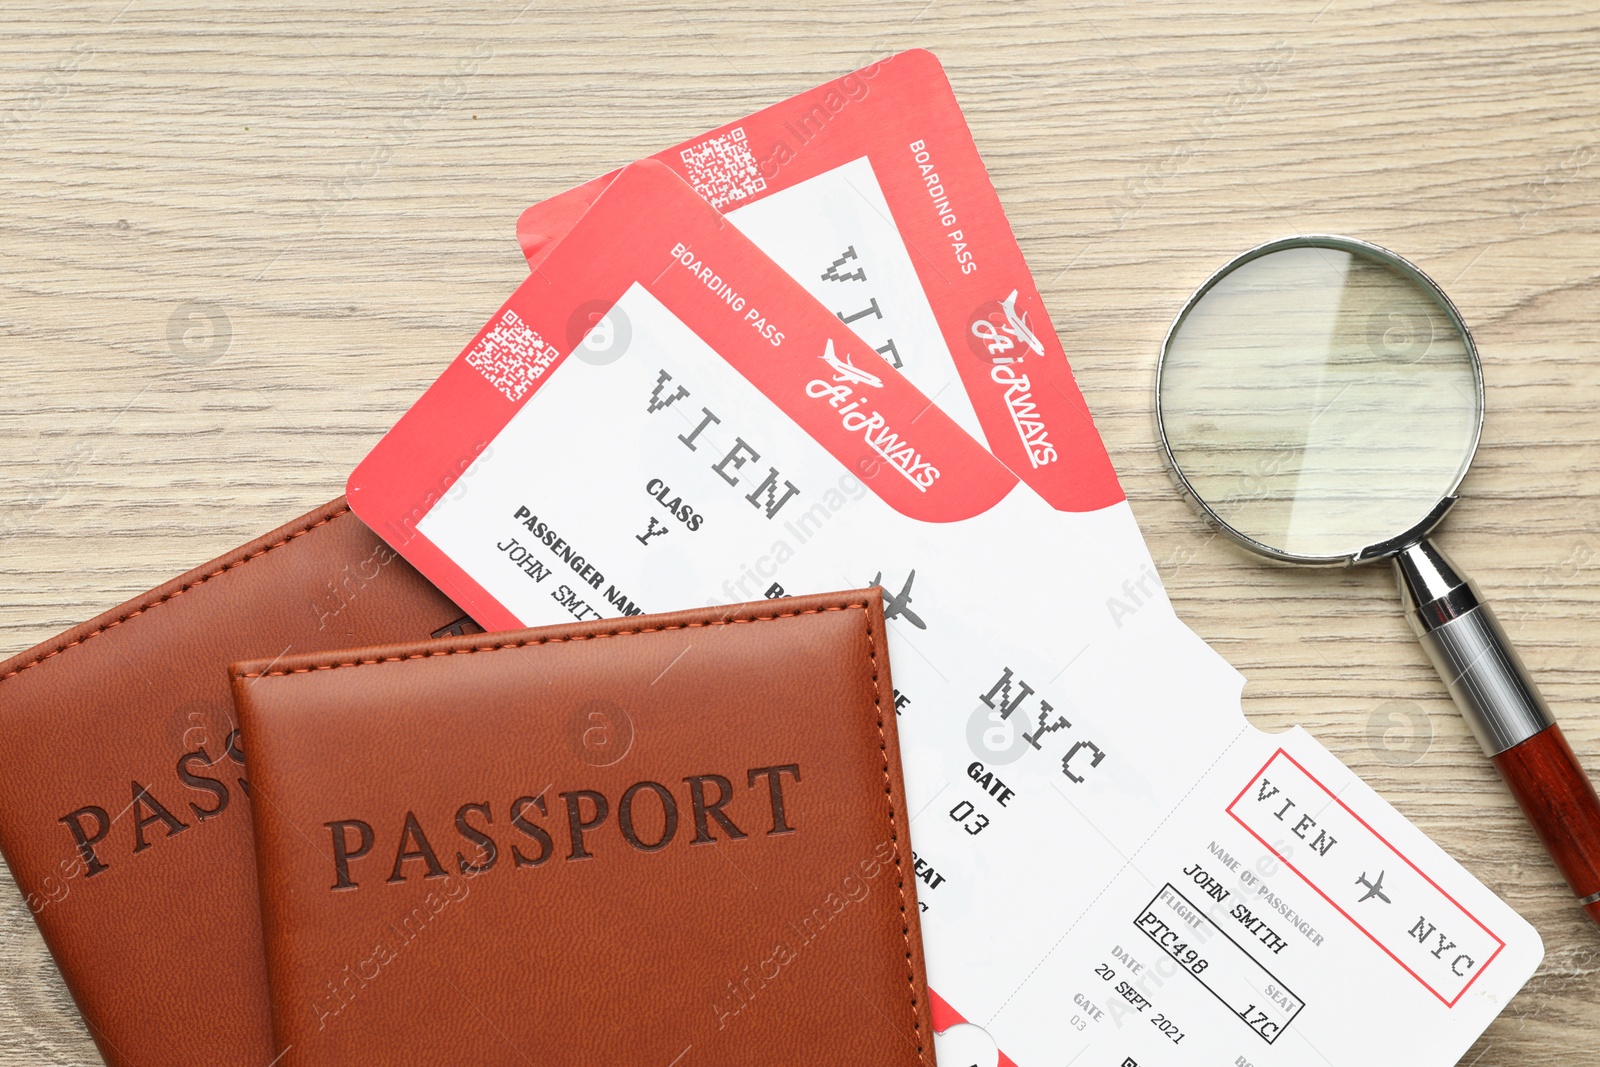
(1406, 269)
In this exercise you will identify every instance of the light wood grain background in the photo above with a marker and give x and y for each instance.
(236, 241)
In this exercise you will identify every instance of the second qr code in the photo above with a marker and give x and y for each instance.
(723, 169)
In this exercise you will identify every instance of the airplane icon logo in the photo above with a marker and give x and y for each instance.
(1017, 325)
(845, 371)
(899, 607)
(1374, 889)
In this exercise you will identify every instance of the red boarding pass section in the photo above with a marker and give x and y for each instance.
(1403, 911)
(902, 116)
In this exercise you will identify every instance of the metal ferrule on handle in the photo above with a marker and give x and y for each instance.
(1503, 707)
(1459, 632)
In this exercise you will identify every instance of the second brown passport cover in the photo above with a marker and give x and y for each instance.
(662, 840)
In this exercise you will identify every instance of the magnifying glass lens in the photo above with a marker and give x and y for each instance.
(1319, 401)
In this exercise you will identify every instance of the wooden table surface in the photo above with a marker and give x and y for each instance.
(238, 243)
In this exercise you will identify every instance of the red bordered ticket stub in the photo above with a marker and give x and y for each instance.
(1349, 864)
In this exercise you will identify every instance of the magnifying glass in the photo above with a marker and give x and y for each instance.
(1320, 400)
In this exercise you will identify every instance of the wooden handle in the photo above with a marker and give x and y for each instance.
(1560, 802)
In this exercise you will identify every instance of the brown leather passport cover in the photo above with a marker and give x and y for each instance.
(661, 840)
(123, 809)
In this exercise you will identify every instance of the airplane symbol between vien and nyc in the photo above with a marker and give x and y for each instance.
(899, 607)
(1374, 889)
(845, 371)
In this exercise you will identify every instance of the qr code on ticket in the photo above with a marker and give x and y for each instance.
(512, 356)
(723, 169)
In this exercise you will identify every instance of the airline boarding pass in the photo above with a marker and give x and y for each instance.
(1113, 867)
